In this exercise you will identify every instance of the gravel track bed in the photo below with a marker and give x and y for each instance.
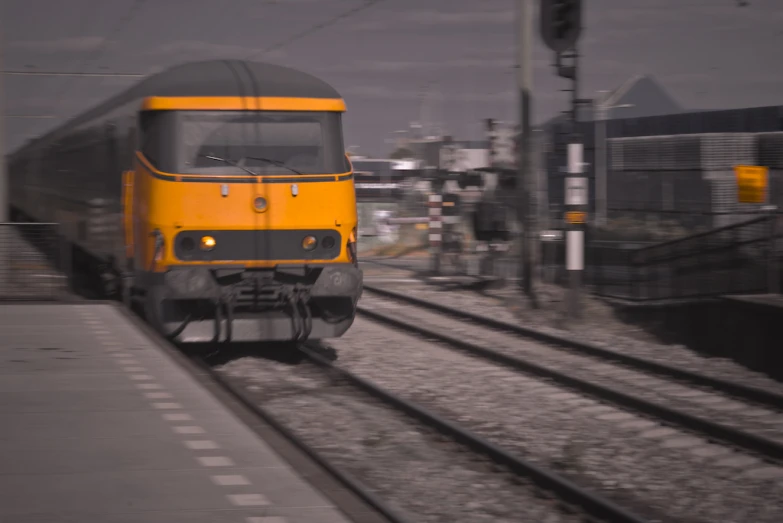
(405, 463)
(599, 327)
(635, 461)
(698, 401)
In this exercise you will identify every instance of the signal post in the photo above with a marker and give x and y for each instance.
(5, 234)
(561, 26)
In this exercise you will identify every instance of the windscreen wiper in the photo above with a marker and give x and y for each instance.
(229, 162)
(274, 162)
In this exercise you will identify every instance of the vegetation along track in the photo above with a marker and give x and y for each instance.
(297, 399)
(717, 408)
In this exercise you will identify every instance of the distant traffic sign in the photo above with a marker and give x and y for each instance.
(752, 181)
(575, 217)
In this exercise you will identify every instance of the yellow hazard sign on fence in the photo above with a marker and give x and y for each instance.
(752, 183)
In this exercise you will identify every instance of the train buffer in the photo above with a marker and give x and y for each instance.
(101, 422)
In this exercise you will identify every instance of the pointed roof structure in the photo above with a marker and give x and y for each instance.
(640, 95)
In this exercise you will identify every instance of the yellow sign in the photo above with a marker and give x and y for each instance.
(752, 183)
(422, 226)
(576, 217)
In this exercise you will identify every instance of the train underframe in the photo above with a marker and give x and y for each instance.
(195, 304)
(192, 304)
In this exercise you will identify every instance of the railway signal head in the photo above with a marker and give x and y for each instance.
(561, 23)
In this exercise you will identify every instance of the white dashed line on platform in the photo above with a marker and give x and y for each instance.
(248, 500)
(190, 429)
(230, 481)
(215, 461)
(177, 416)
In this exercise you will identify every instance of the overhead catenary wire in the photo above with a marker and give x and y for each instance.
(66, 73)
(311, 30)
(85, 21)
(128, 17)
(315, 28)
(121, 24)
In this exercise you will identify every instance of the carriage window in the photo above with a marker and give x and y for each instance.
(263, 142)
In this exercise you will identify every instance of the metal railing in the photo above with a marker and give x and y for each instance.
(742, 258)
(34, 262)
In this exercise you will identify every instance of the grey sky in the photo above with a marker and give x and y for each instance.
(707, 53)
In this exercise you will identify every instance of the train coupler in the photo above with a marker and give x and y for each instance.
(298, 298)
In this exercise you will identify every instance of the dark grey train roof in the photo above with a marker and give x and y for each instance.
(230, 78)
(214, 78)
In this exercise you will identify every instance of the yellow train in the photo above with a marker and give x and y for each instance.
(216, 194)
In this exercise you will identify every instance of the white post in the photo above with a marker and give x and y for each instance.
(576, 204)
(435, 230)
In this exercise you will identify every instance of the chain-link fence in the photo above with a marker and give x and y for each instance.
(34, 262)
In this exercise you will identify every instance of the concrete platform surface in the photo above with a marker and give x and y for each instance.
(99, 424)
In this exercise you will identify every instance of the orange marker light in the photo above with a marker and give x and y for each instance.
(309, 243)
(207, 243)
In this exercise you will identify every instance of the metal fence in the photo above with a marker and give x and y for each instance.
(678, 162)
(743, 258)
(34, 262)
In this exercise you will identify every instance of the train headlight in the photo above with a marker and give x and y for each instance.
(259, 204)
(207, 243)
(309, 243)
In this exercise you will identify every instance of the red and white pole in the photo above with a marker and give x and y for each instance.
(435, 229)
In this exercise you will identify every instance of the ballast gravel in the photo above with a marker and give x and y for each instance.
(636, 461)
(428, 477)
(599, 324)
(705, 403)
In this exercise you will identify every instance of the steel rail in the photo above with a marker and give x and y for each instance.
(739, 390)
(592, 503)
(711, 430)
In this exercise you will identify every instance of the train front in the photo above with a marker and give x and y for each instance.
(249, 212)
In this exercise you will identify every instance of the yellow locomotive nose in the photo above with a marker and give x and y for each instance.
(207, 243)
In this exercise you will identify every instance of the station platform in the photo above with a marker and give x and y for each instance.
(98, 423)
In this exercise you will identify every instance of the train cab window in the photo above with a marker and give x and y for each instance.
(267, 143)
(156, 137)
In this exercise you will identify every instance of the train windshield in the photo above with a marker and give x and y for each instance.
(265, 143)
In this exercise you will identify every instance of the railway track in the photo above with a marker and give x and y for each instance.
(292, 399)
(341, 416)
(641, 438)
(544, 494)
(745, 417)
(454, 280)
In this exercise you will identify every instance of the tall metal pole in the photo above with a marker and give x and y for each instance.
(576, 202)
(525, 86)
(3, 173)
(601, 202)
(4, 233)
